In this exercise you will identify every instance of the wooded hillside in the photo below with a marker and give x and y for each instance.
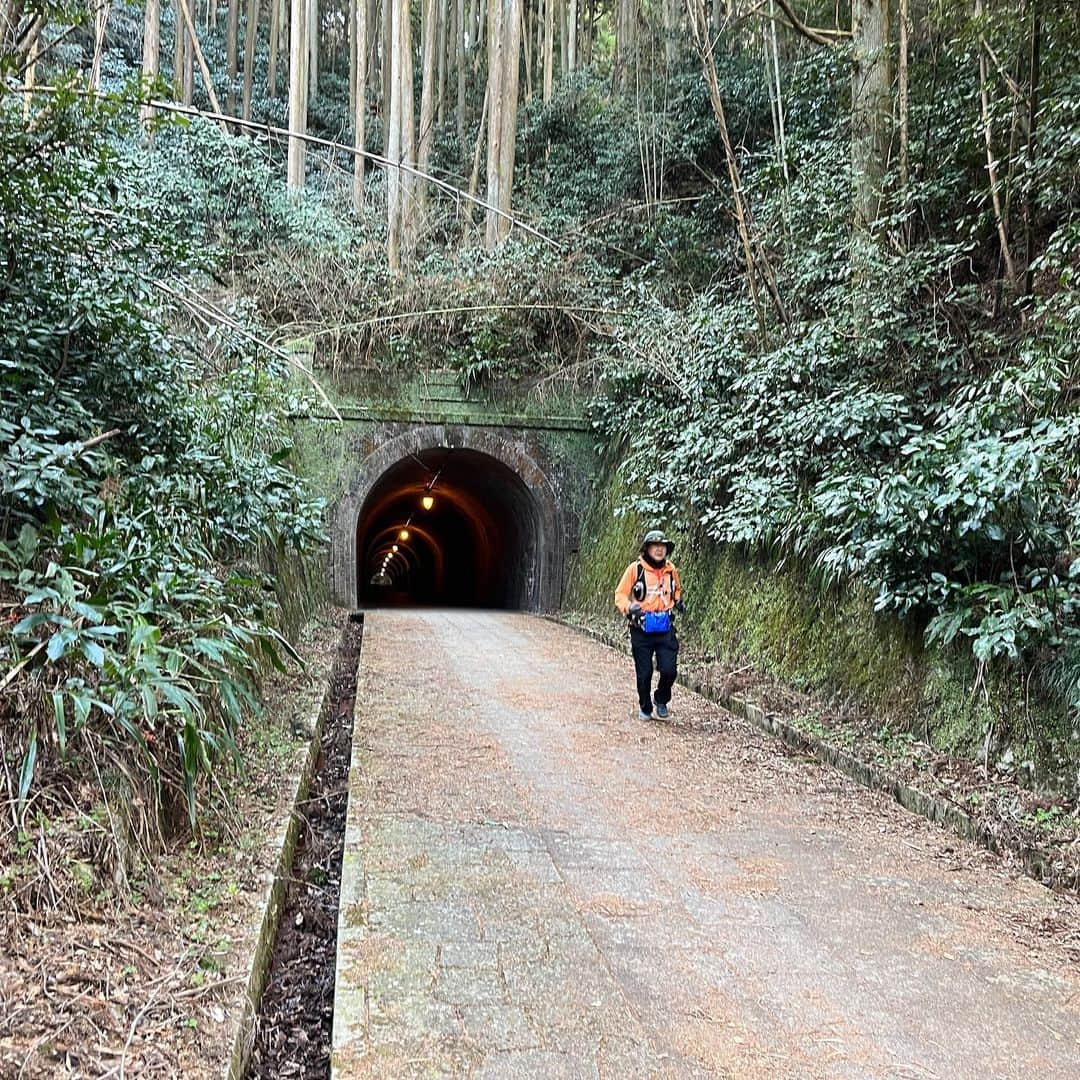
(816, 264)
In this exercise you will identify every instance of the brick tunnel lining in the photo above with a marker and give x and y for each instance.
(479, 545)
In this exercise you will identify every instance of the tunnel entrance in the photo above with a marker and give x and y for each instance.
(449, 527)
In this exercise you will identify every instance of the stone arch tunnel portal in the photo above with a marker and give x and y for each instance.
(455, 526)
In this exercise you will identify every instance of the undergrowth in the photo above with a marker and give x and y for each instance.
(144, 485)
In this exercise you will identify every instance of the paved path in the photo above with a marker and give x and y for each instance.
(539, 885)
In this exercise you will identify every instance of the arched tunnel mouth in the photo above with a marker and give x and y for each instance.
(449, 527)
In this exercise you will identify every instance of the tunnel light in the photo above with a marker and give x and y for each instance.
(403, 535)
(427, 502)
(394, 549)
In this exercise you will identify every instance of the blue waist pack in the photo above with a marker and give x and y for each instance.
(656, 622)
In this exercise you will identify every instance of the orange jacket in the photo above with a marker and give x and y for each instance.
(662, 587)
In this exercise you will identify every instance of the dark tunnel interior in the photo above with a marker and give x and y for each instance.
(449, 527)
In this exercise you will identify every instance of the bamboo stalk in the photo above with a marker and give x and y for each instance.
(272, 58)
(360, 104)
(1034, 72)
(902, 92)
(203, 69)
(704, 44)
(991, 163)
(101, 23)
(250, 30)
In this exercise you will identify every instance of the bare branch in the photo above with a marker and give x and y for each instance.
(818, 35)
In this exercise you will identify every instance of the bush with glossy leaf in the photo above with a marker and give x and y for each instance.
(142, 469)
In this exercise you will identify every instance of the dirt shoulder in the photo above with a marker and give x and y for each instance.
(154, 986)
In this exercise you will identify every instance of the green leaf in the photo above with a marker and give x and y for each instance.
(26, 773)
(82, 705)
(215, 650)
(272, 655)
(288, 648)
(61, 722)
(32, 622)
(182, 700)
(38, 595)
(94, 653)
(189, 755)
(57, 645)
(149, 700)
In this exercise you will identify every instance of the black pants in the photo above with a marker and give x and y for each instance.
(666, 648)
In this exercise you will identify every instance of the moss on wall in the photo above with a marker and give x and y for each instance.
(300, 586)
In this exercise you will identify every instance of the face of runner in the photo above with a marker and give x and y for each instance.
(657, 552)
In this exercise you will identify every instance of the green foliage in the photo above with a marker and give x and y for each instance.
(896, 435)
(216, 192)
(142, 468)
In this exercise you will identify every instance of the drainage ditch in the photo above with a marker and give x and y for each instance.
(294, 1029)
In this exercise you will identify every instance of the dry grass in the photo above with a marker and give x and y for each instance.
(125, 957)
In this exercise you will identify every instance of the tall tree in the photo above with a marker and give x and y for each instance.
(194, 50)
(179, 44)
(298, 87)
(360, 105)
(251, 17)
(400, 140)
(231, 30)
(314, 26)
(871, 106)
(351, 25)
(459, 48)
(272, 56)
(504, 57)
(626, 20)
(445, 60)
(410, 219)
(187, 94)
(549, 42)
(374, 41)
(386, 67)
(428, 75)
(151, 51)
(572, 37)
(671, 17)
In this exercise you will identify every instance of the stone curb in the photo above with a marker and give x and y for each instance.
(352, 867)
(274, 896)
(1037, 863)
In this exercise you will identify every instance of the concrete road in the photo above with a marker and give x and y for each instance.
(537, 884)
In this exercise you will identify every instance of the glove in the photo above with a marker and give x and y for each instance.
(680, 607)
(633, 614)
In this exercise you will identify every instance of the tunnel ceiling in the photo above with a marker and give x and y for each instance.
(478, 544)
